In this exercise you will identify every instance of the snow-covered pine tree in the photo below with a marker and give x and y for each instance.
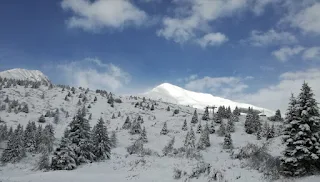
(222, 130)
(265, 129)
(228, 112)
(199, 128)
(164, 130)
(48, 138)
(119, 114)
(206, 114)
(143, 135)
(190, 139)
(230, 126)
(113, 139)
(80, 136)
(42, 119)
(44, 162)
(302, 140)
(227, 144)
(152, 107)
(234, 118)
(194, 117)
(127, 124)
(64, 158)
(113, 116)
(169, 147)
(25, 109)
(185, 125)
(95, 99)
(101, 142)
(277, 116)
(30, 137)
(135, 128)
(271, 133)
(212, 128)
(204, 140)
(236, 111)
(38, 137)
(168, 108)
(15, 150)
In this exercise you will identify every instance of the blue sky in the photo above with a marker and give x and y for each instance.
(239, 49)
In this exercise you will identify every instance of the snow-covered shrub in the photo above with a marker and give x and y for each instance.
(176, 111)
(201, 168)
(177, 173)
(117, 100)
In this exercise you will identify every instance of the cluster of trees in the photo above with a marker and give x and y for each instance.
(81, 145)
(7, 83)
(13, 106)
(301, 135)
(33, 139)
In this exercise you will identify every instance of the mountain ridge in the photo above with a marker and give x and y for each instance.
(25, 74)
(171, 93)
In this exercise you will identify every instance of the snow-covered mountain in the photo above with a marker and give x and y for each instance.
(177, 95)
(24, 74)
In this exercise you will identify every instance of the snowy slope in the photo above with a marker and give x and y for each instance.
(174, 94)
(24, 74)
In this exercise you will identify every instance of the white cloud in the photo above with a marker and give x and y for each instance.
(307, 19)
(312, 53)
(224, 86)
(285, 53)
(271, 37)
(212, 39)
(187, 79)
(277, 96)
(188, 26)
(92, 16)
(92, 73)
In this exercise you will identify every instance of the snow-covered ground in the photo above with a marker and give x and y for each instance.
(122, 166)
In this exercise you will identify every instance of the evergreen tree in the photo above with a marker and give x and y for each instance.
(48, 138)
(222, 130)
(135, 128)
(190, 139)
(204, 140)
(143, 136)
(206, 114)
(228, 112)
(64, 158)
(169, 147)
(194, 117)
(95, 99)
(15, 150)
(227, 144)
(113, 139)
(212, 128)
(30, 137)
(199, 128)
(25, 109)
(236, 111)
(44, 163)
(101, 142)
(164, 130)
(42, 119)
(168, 108)
(113, 116)
(119, 114)
(271, 133)
(80, 136)
(38, 137)
(277, 116)
(152, 107)
(301, 133)
(126, 124)
(234, 118)
(230, 126)
(185, 126)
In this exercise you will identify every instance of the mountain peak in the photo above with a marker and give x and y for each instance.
(171, 93)
(24, 74)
